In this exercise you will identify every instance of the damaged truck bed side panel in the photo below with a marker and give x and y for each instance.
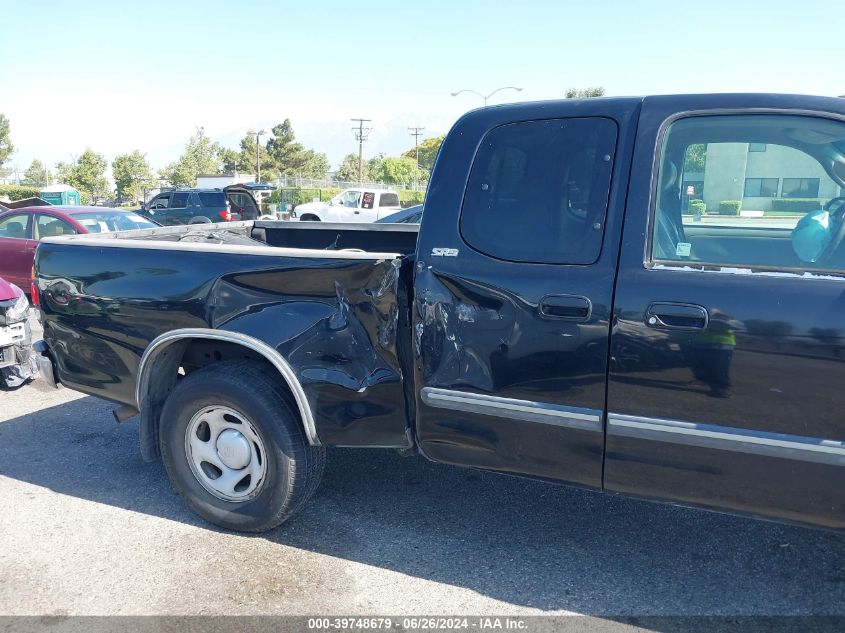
(333, 319)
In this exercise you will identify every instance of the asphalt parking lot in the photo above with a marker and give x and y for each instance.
(87, 527)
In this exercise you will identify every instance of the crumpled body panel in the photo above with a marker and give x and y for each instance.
(334, 320)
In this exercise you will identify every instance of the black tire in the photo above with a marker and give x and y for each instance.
(293, 467)
(309, 218)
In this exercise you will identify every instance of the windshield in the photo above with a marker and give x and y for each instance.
(108, 221)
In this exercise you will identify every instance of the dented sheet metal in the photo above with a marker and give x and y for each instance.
(334, 320)
(336, 323)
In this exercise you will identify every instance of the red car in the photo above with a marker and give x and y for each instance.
(20, 230)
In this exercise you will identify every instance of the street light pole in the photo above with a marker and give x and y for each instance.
(487, 96)
(257, 153)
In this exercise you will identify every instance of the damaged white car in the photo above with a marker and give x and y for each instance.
(17, 360)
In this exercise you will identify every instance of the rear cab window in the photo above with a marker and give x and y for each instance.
(538, 191)
(388, 200)
(751, 191)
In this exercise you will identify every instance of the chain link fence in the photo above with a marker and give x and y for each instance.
(328, 183)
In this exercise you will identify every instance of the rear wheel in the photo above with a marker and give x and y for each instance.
(309, 218)
(234, 448)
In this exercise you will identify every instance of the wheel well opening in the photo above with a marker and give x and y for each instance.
(177, 360)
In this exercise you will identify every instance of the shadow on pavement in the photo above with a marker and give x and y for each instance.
(519, 541)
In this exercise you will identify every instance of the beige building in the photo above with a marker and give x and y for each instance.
(756, 173)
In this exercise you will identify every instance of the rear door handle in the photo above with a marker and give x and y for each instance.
(676, 316)
(568, 307)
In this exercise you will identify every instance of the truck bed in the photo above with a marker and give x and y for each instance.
(377, 239)
(330, 299)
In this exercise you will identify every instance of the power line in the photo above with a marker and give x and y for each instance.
(361, 135)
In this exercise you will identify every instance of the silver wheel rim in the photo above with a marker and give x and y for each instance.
(226, 453)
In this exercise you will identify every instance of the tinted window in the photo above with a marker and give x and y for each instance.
(801, 187)
(538, 191)
(742, 219)
(389, 200)
(49, 226)
(761, 187)
(15, 226)
(212, 199)
(179, 200)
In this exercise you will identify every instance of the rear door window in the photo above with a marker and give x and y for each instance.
(179, 200)
(538, 191)
(51, 226)
(389, 200)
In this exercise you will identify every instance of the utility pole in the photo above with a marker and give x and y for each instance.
(257, 153)
(417, 132)
(361, 134)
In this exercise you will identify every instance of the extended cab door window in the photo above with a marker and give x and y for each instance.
(512, 322)
(538, 191)
(726, 367)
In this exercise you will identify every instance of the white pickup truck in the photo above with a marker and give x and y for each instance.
(351, 205)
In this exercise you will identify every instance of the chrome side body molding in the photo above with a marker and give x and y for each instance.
(526, 410)
(725, 438)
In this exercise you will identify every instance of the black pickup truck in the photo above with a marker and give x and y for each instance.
(640, 295)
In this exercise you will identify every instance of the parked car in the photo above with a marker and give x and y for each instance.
(509, 331)
(411, 215)
(17, 359)
(351, 205)
(21, 229)
(192, 206)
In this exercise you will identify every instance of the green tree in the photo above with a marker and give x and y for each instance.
(247, 158)
(6, 147)
(695, 158)
(231, 160)
(36, 174)
(396, 171)
(348, 170)
(63, 172)
(201, 156)
(132, 175)
(428, 152)
(585, 93)
(86, 175)
(313, 164)
(290, 158)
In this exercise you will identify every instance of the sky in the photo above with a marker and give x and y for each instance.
(119, 76)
